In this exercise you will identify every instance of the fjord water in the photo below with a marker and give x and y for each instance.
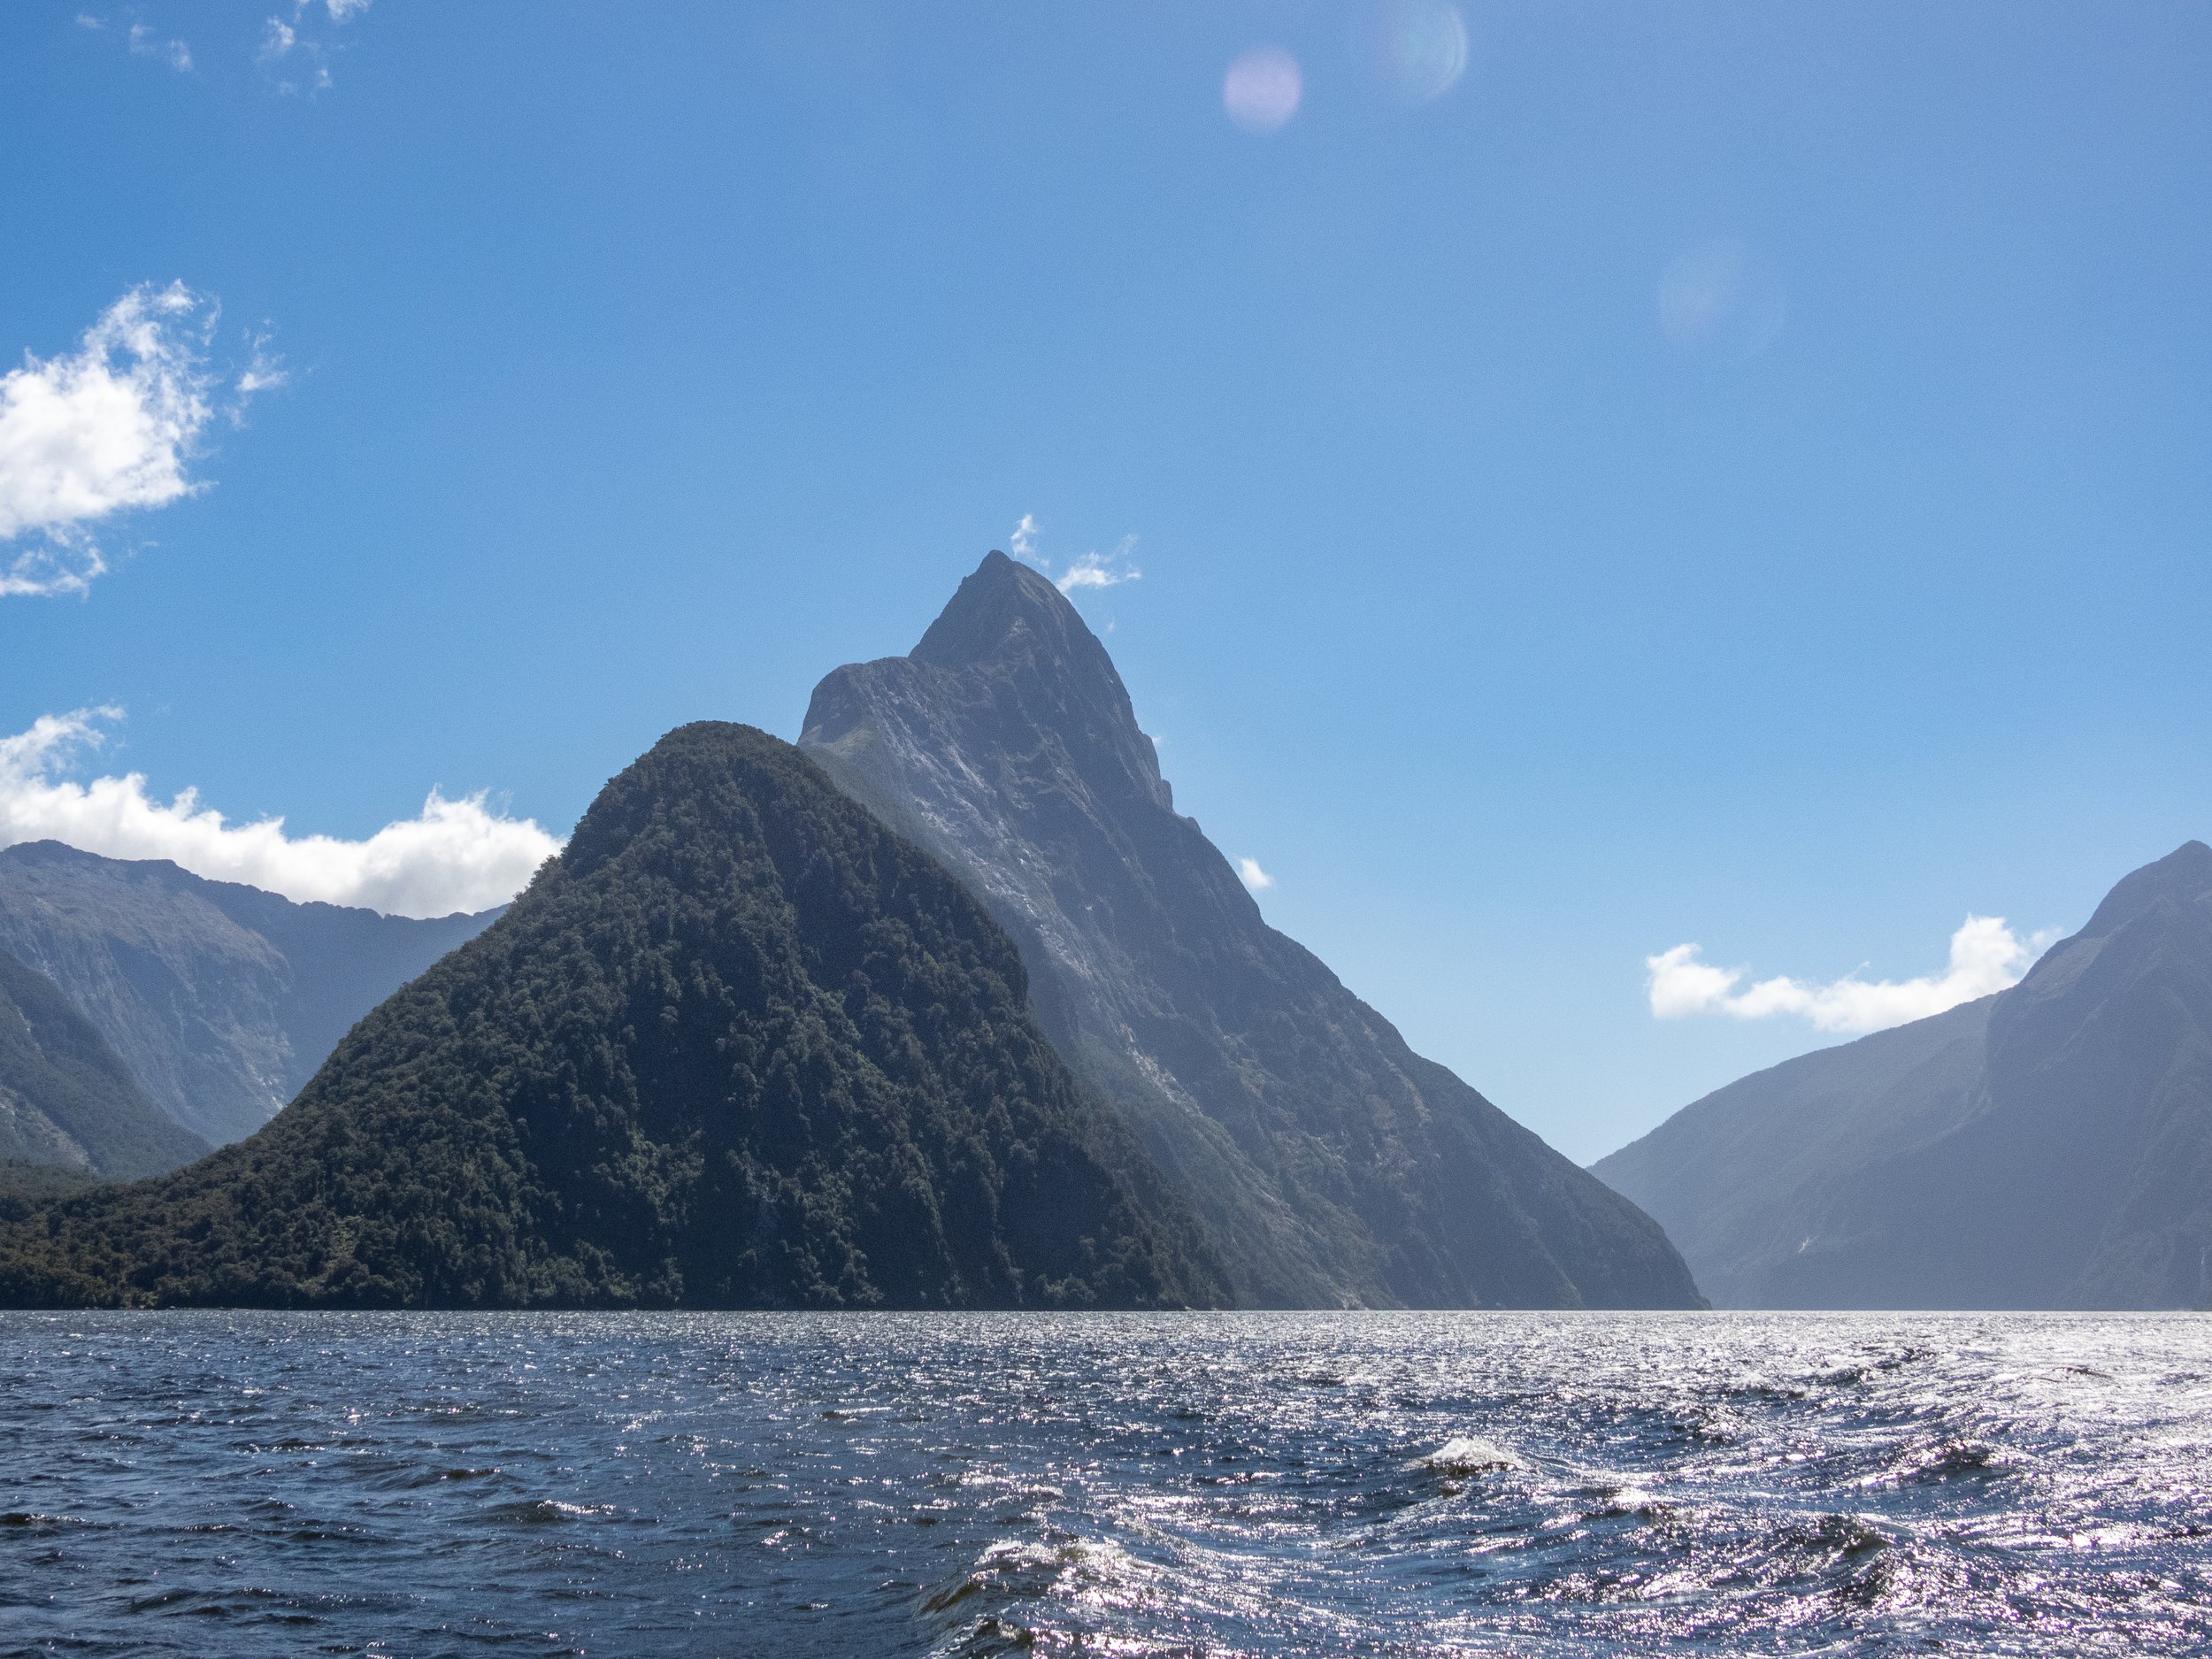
(699, 1483)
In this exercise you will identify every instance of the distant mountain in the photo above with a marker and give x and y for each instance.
(1330, 1164)
(65, 1099)
(2049, 1146)
(738, 1046)
(221, 999)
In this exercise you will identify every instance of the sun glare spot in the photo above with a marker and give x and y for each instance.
(1420, 47)
(1262, 89)
(1721, 296)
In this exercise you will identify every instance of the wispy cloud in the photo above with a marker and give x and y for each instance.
(145, 43)
(107, 428)
(1101, 570)
(1987, 956)
(296, 59)
(143, 39)
(1088, 570)
(1249, 872)
(455, 854)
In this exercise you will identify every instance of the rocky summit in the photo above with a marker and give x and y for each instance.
(2048, 1146)
(738, 1046)
(1330, 1165)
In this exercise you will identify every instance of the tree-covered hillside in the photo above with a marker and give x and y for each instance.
(740, 1045)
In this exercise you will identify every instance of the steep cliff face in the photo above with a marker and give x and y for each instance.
(65, 1100)
(739, 1045)
(2047, 1146)
(1332, 1165)
(221, 999)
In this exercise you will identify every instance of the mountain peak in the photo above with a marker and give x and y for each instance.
(1010, 642)
(1004, 610)
(2183, 874)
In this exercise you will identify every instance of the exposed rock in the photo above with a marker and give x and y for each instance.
(1332, 1165)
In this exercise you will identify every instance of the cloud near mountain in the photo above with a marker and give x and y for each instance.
(1986, 956)
(456, 853)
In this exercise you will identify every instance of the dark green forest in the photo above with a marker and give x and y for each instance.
(738, 1046)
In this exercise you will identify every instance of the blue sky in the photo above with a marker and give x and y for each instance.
(1728, 474)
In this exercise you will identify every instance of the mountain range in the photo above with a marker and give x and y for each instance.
(66, 1099)
(221, 999)
(948, 1006)
(1330, 1164)
(2047, 1146)
(737, 1046)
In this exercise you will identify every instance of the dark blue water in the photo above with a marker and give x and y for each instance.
(257, 1484)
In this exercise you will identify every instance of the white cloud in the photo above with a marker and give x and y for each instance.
(1090, 569)
(107, 428)
(455, 854)
(295, 47)
(145, 43)
(1985, 956)
(1101, 570)
(1249, 871)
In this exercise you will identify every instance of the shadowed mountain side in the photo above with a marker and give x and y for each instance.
(65, 1099)
(2047, 1146)
(1332, 1165)
(1739, 1178)
(221, 999)
(738, 1046)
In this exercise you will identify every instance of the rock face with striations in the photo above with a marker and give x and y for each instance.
(65, 1099)
(1332, 1165)
(221, 999)
(738, 1046)
(2048, 1146)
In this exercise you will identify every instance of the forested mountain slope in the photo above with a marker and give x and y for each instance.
(738, 1046)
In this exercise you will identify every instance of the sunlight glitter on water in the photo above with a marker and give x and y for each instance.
(1233, 1484)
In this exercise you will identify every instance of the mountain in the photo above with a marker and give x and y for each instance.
(1330, 1164)
(221, 999)
(738, 1046)
(2050, 1145)
(65, 1099)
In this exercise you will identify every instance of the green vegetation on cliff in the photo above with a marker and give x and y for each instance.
(739, 1045)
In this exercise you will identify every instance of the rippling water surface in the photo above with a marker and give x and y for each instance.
(264, 1484)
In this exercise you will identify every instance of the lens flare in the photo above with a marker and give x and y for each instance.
(1721, 296)
(1420, 47)
(1262, 89)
